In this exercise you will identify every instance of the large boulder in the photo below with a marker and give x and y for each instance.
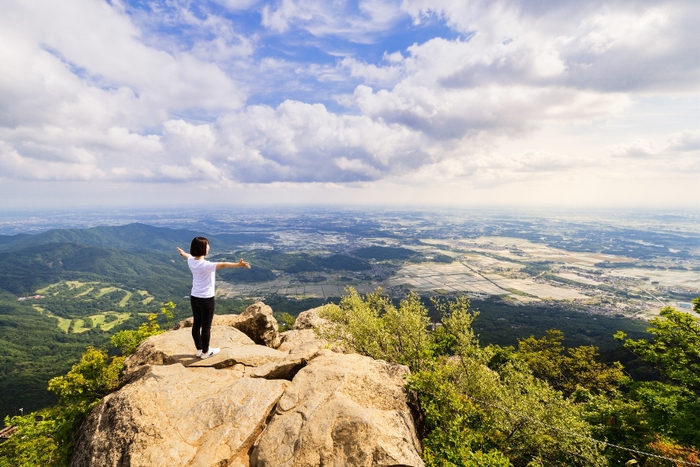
(341, 410)
(260, 325)
(251, 405)
(177, 416)
(298, 337)
(310, 319)
(257, 322)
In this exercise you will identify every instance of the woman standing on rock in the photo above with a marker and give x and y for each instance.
(202, 295)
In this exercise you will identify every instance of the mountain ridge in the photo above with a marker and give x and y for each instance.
(135, 236)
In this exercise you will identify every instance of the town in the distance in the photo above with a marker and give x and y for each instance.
(75, 278)
(614, 262)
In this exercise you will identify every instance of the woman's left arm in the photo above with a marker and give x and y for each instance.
(239, 264)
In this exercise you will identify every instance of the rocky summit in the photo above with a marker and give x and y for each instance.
(266, 400)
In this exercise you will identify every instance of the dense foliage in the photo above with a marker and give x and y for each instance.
(538, 405)
(45, 438)
(672, 404)
(32, 351)
(25, 270)
(489, 406)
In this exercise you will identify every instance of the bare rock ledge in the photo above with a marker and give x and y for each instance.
(292, 405)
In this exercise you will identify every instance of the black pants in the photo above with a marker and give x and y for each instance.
(203, 313)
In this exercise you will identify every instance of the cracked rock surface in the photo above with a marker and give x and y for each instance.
(252, 405)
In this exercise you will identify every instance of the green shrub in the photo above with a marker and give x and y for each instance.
(471, 415)
(129, 340)
(45, 438)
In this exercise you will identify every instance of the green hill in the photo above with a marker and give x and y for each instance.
(24, 271)
(132, 237)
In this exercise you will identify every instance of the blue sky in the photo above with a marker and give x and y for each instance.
(413, 102)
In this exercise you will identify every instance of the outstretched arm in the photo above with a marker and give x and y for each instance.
(239, 264)
(182, 253)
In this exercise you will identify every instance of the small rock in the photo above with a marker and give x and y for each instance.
(297, 338)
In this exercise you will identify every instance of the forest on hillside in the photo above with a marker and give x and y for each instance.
(73, 302)
(536, 403)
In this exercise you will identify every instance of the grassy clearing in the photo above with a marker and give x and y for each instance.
(96, 320)
(120, 318)
(103, 320)
(63, 286)
(85, 292)
(148, 298)
(105, 290)
(125, 300)
(64, 323)
(78, 284)
(79, 326)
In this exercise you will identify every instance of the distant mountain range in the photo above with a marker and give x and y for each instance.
(142, 256)
(136, 255)
(131, 237)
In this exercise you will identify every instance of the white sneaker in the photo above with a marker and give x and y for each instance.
(199, 353)
(212, 351)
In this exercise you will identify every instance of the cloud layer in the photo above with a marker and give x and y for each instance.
(234, 92)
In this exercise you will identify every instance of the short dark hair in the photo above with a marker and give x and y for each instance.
(198, 247)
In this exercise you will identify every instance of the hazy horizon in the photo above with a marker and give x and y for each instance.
(473, 104)
(237, 218)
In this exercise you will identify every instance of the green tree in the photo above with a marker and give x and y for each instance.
(45, 438)
(286, 320)
(568, 369)
(472, 415)
(129, 340)
(92, 378)
(373, 326)
(675, 349)
(672, 405)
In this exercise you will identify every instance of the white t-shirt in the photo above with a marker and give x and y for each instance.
(203, 277)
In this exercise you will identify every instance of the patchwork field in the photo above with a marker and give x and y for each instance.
(514, 269)
(104, 321)
(53, 301)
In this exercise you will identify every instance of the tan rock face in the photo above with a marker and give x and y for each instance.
(177, 416)
(309, 319)
(251, 405)
(341, 410)
(246, 355)
(292, 339)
